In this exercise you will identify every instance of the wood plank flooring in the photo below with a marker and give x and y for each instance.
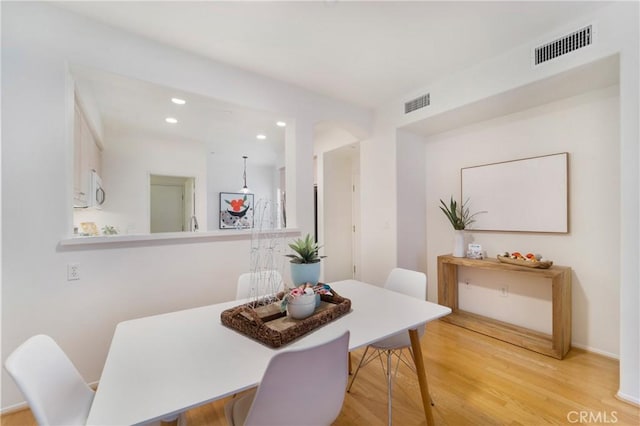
(474, 380)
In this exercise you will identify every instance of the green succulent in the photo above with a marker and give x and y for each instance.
(306, 251)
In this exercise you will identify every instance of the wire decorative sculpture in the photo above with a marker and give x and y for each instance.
(267, 254)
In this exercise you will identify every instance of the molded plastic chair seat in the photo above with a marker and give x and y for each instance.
(397, 341)
(411, 283)
(299, 387)
(53, 387)
(262, 283)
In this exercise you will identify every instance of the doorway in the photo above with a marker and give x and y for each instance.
(172, 204)
(341, 212)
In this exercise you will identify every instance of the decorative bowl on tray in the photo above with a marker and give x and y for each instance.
(529, 260)
(302, 306)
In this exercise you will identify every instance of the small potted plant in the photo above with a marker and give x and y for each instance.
(460, 217)
(305, 263)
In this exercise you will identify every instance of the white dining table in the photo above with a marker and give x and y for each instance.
(161, 365)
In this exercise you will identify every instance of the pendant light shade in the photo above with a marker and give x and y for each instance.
(245, 189)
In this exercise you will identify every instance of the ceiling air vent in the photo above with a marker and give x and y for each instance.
(564, 45)
(417, 103)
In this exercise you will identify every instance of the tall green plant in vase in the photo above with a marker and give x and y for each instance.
(460, 217)
(305, 262)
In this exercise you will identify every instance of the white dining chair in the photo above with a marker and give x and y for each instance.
(299, 387)
(411, 283)
(55, 391)
(261, 283)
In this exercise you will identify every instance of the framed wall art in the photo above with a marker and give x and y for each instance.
(525, 195)
(236, 210)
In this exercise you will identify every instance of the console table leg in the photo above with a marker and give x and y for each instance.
(422, 377)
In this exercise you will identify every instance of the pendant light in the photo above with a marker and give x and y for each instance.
(244, 189)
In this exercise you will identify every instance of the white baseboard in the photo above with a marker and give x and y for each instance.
(13, 408)
(628, 398)
(596, 351)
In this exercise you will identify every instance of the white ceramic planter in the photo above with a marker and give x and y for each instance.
(458, 244)
(302, 306)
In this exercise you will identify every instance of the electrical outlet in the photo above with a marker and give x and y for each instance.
(73, 271)
(504, 291)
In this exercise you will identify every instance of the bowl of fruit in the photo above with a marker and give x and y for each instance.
(529, 260)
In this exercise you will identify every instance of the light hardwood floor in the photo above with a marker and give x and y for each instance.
(474, 380)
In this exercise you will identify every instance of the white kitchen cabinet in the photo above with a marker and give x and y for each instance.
(87, 156)
(79, 191)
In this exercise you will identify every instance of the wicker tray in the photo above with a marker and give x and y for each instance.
(545, 264)
(268, 325)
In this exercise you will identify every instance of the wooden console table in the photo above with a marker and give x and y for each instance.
(556, 345)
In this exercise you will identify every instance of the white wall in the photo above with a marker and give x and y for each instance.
(225, 176)
(378, 196)
(411, 202)
(627, 20)
(587, 127)
(119, 281)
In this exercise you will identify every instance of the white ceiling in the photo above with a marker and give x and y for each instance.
(366, 53)
(138, 108)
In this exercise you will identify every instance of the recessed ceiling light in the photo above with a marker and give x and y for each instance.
(281, 124)
(261, 137)
(178, 101)
(171, 120)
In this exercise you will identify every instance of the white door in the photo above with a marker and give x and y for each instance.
(341, 213)
(167, 208)
(355, 215)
